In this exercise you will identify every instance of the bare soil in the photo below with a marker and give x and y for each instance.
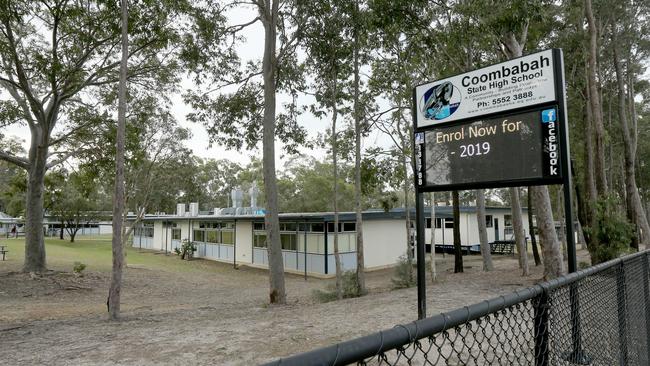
(172, 318)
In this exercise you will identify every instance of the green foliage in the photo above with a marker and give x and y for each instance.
(350, 288)
(187, 249)
(613, 232)
(78, 268)
(404, 273)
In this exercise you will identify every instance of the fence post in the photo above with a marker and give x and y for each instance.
(540, 306)
(646, 303)
(622, 314)
(577, 355)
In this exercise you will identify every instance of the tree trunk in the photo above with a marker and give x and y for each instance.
(434, 272)
(482, 231)
(560, 217)
(337, 257)
(61, 231)
(361, 276)
(34, 241)
(277, 292)
(552, 257)
(594, 98)
(591, 192)
(531, 229)
(407, 211)
(115, 290)
(635, 212)
(458, 250)
(518, 226)
(553, 265)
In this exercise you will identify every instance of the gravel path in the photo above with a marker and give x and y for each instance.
(215, 318)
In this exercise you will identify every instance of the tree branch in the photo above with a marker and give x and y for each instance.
(16, 160)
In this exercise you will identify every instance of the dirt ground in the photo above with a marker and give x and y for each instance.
(220, 318)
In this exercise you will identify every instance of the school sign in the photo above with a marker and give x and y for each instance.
(502, 125)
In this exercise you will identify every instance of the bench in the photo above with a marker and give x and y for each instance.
(502, 247)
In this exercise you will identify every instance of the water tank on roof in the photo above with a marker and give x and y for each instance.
(194, 209)
(180, 209)
(237, 196)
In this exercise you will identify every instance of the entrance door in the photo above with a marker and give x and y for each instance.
(496, 229)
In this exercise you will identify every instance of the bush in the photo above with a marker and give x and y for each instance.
(78, 268)
(187, 249)
(613, 233)
(349, 288)
(404, 275)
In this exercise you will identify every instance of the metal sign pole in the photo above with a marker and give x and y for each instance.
(577, 354)
(419, 227)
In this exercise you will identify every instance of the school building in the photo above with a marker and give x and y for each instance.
(238, 236)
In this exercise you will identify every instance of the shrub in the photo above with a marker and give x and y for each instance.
(187, 249)
(583, 265)
(349, 288)
(78, 268)
(613, 232)
(404, 275)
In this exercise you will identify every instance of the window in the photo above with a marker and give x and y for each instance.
(259, 226)
(330, 227)
(318, 228)
(428, 224)
(199, 235)
(227, 237)
(349, 226)
(176, 234)
(288, 226)
(288, 241)
(212, 236)
(259, 240)
(507, 220)
(438, 223)
(488, 220)
(449, 223)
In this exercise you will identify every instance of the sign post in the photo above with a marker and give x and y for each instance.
(504, 125)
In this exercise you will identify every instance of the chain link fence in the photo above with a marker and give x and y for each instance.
(597, 316)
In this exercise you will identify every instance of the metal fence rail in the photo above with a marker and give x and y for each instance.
(597, 316)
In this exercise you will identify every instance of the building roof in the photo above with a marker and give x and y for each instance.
(373, 214)
(4, 218)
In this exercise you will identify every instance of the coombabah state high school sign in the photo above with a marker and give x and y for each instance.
(502, 125)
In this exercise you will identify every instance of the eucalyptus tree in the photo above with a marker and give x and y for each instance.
(396, 68)
(629, 51)
(322, 24)
(236, 101)
(78, 200)
(59, 65)
(510, 26)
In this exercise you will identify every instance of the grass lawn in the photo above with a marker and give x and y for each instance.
(95, 253)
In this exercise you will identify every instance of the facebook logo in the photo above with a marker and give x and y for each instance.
(549, 115)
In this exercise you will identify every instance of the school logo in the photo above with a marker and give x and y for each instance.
(440, 102)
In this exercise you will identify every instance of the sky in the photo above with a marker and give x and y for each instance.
(251, 49)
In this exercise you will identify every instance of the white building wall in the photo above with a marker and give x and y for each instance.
(185, 229)
(158, 236)
(469, 229)
(383, 242)
(105, 228)
(244, 241)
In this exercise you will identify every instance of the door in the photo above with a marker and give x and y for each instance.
(496, 229)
